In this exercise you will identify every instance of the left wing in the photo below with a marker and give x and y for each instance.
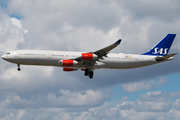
(97, 54)
(105, 51)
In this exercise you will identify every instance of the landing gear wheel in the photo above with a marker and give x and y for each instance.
(19, 69)
(91, 74)
(86, 73)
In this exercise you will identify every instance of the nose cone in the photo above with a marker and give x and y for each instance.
(3, 57)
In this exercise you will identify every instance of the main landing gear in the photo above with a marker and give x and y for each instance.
(89, 73)
(19, 69)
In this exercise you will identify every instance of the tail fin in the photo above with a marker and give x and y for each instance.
(163, 47)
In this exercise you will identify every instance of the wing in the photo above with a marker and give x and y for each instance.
(105, 51)
(99, 53)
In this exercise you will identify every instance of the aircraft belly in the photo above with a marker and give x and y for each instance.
(125, 64)
(38, 62)
(29, 61)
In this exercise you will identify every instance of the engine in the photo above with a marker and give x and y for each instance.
(69, 69)
(68, 62)
(89, 56)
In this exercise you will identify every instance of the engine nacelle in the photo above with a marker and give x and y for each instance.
(69, 69)
(89, 56)
(68, 62)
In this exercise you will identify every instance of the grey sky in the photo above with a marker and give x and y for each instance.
(87, 25)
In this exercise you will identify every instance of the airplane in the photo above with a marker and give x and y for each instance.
(89, 61)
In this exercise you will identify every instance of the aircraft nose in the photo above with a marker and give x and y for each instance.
(3, 57)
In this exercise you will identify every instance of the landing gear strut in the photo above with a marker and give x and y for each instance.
(89, 73)
(86, 73)
(19, 69)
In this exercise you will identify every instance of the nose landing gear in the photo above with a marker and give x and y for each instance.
(19, 69)
(88, 73)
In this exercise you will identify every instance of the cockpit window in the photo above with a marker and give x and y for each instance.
(8, 53)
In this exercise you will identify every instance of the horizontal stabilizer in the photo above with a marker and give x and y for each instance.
(160, 58)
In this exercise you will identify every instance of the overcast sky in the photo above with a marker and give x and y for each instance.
(44, 93)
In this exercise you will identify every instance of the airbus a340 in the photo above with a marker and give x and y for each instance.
(89, 61)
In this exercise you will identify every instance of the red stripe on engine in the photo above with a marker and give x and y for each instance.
(87, 56)
(67, 62)
(68, 69)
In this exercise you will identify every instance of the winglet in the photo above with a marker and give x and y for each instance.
(117, 42)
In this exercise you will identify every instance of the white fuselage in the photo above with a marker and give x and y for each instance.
(53, 58)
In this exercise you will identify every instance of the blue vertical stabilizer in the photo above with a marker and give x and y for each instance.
(163, 47)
